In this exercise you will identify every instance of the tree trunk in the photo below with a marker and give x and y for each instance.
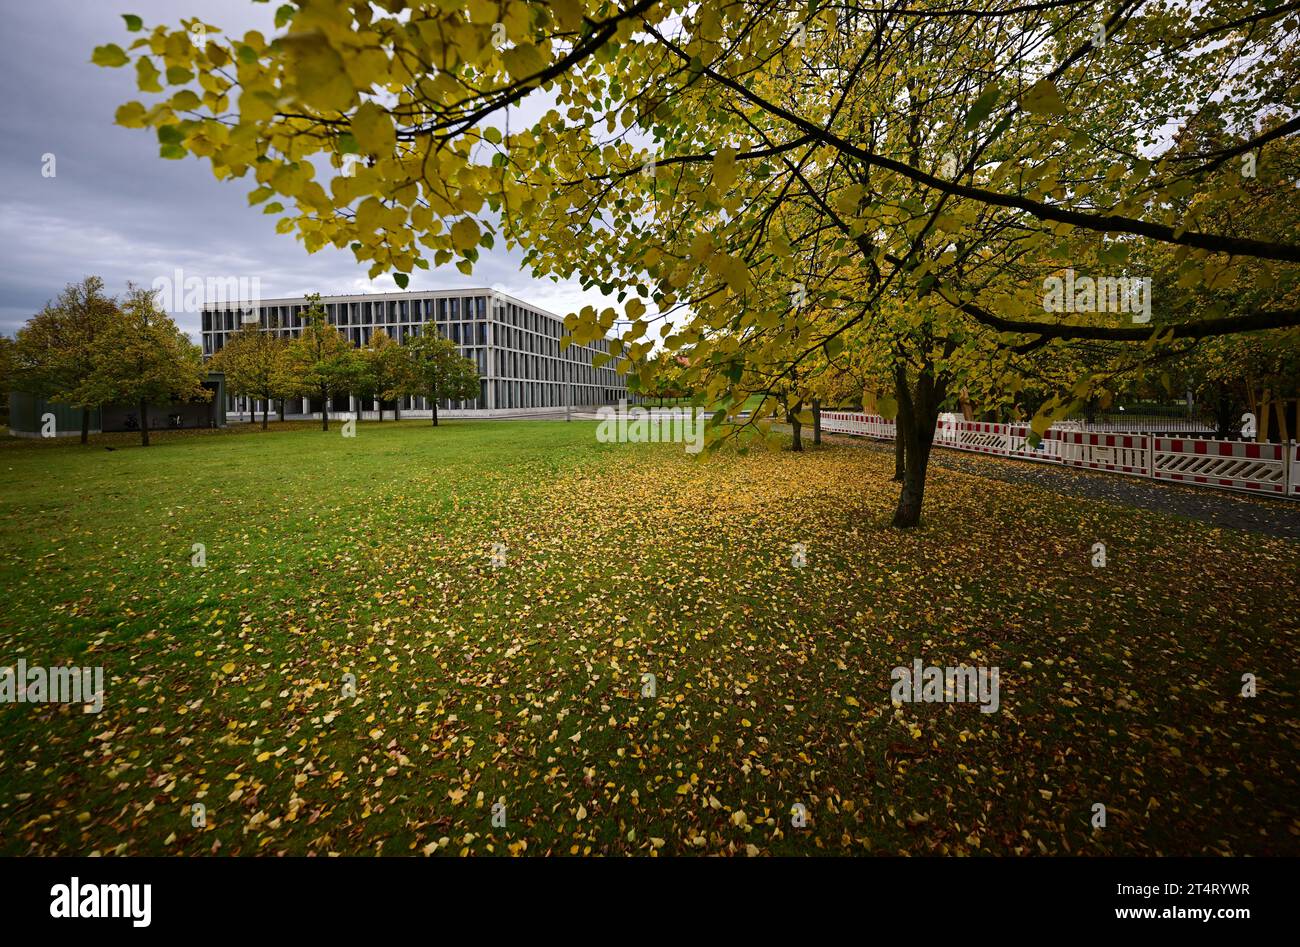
(917, 416)
(266, 411)
(900, 436)
(435, 411)
(281, 409)
(1223, 414)
(324, 410)
(397, 410)
(796, 444)
(817, 421)
(912, 495)
(85, 425)
(144, 424)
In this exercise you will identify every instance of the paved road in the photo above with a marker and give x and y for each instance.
(1219, 507)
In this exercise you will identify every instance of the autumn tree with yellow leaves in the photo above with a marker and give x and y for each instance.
(912, 173)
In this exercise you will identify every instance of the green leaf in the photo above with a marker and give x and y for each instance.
(724, 168)
(185, 101)
(130, 115)
(1043, 99)
(110, 55)
(464, 234)
(523, 60)
(146, 75)
(732, 269)
(567, 13)
(987, 101)
(374, 130)
(133, 22)
(401, 279)
(321, 78)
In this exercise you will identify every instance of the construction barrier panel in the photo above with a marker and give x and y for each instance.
(843, 422)
(983, 437)
(1019, 446)
(1236, 465)
(1119, 453)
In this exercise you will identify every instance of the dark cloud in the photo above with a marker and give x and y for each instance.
(116, 210)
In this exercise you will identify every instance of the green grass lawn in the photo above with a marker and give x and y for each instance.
(371, 557)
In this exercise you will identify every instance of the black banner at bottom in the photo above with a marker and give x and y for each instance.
(334, 896)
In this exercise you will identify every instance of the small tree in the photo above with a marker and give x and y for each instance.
(441, 372)
(667, 377)
(389, 372)
(6, 375)
(256, 365)
(141, 356)
(54, 353)
(322, 362)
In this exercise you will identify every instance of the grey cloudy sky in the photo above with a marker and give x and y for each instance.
(116, 210)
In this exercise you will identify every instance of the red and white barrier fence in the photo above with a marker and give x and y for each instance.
(1118, 453)
(1271, 469)
(864, 425)
(1237, 465)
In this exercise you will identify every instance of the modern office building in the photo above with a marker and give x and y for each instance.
(522, 368)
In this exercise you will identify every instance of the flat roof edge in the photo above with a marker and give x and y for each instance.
(380, 297)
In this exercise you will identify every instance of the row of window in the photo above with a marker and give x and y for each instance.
(540, 368)
(343, 404)
(365, 312)
(508, 394)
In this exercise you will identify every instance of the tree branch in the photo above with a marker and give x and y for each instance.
(1105, 223)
